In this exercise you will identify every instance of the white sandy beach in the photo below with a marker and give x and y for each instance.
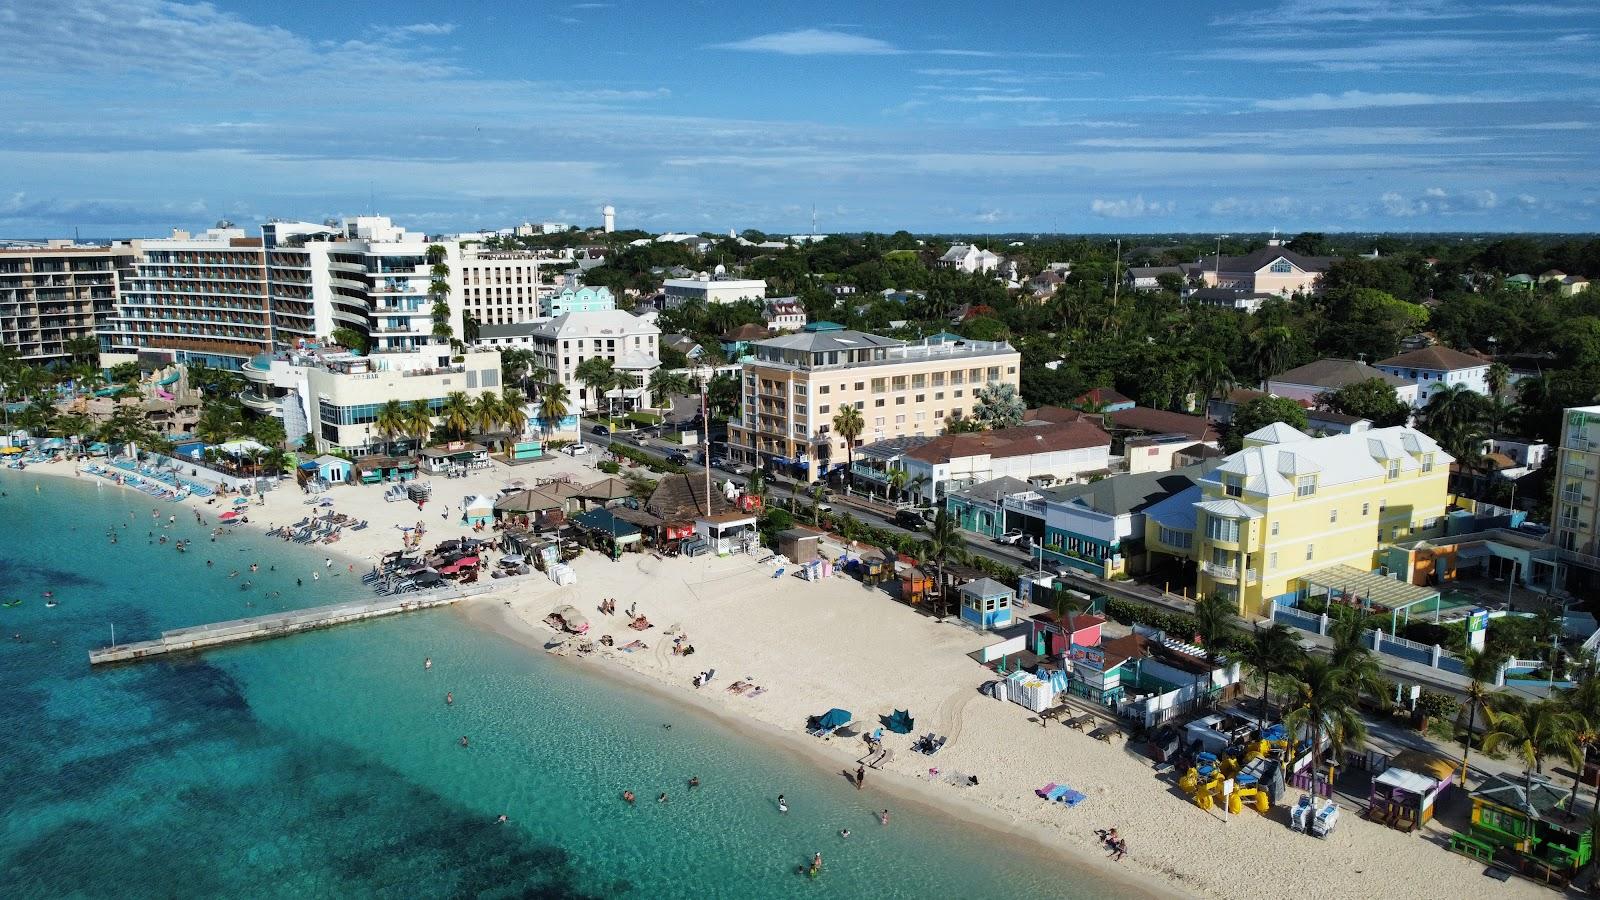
(835, 643)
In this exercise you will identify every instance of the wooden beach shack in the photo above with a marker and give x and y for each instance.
(1526, 820)
(1403, 795)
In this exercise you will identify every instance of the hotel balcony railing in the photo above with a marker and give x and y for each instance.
(1574, 496)
(1580, 557)
(1228, 573)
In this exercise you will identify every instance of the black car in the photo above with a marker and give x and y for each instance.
(678, 458)
(600, 429)
(909, 520)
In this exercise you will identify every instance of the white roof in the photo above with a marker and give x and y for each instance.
(1338, 459)
(477, 502)
(1229, 509)
(1277, 433)
(1406, 780)
(595, 323)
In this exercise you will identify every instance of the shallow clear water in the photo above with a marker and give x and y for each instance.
(328, 763)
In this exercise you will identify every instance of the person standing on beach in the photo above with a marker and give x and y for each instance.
(861, 776)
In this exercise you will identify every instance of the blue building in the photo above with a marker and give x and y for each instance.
(986, 604)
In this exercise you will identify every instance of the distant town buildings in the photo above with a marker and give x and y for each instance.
(53, 295)
(632, 347)
(968, 258)
(1432, 368)
(712, 290)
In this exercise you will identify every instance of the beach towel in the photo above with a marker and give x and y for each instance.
(1044, 792)
(1071, 797)
(1057, 792)
(755, 693)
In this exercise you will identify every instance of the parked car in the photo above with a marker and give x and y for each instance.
(577, 449)
(1010, 538)
(600, 429)
(678, 458)
(718, 462)
(910, 520)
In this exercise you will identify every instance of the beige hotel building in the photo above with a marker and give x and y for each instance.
(792, 386)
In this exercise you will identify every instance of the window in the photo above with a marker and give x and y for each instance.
(860, 385)
(1394, 469)
(957, 377)
(899, 382)
(938, 414)
(878, 385)
(938, 379)
(1311, 551)
(1272, 560)
(1305, 485)
(1220, 529)
(1175, 538)
(878, 421)
(938, 395)
(822, 410)
(921, 397)
(1282, 267)
(861, 404)
(1274, 529)
(900, 419)
(1427, 463)
(878, 402)
(1365, 508)
(899, 401)
(823, 389)
(1233, 487)
(958, 393)
(1333, 516)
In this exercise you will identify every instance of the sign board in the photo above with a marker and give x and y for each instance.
(1090, 657)
(1477, 620)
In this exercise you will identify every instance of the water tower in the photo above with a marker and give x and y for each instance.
(608, 217)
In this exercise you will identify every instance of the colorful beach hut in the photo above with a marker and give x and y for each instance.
(1403, 795)
(986, 604)
(332, 469)
(1526, 820)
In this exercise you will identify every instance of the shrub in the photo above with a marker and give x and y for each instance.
(608, 466)
(1437, 706)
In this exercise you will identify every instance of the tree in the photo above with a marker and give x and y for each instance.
(895, 483)
(998, 406)
(1536, 731)
(1482, 668)
(419, 419)
(1499, 378)
(1261, 412)
(470, 328)
(1273, 649)
(351, 338)
(848, 424)
(1325, 706)
(81, 349)
(597, 374)
(516, 364)
(1213, 624)
(722, 395)
(513, 411)
(552, 407)
(391, 421)
(944, 543)
(1212, 376)
(1357, 664)
(458, 414)
(1272, 349)
(1455, 416)
(665, 384)
(486, 412)
(1372, 399)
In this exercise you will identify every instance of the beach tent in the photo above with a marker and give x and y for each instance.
(901, 722)
(478, 509)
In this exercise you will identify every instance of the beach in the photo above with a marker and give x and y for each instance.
(834, 643)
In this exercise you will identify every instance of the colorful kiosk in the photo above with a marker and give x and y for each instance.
(1526, 821)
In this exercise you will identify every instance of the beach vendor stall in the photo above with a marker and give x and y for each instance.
(477, 509)
(1403, 795)
(456, 455)
(986, 604)
(725, 533)
(605, 529)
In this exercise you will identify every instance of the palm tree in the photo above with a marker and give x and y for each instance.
(895, 483)
(665, 383)
(1271, 649)
(1325, 704)
(552, 407)
(1359, 665)
(391, 421)
(621, 382)
(513, 411)
(458, 414)
(1272, 348)
(1212, 376)
(1482, 668)
(944, 543)
(81, 349)
(486, 412)
(1499, 377)
(1452, 406)
(816, 493)
(597, 375)
(1213, 624)
(849, 424)
(419, 418)
(1536, 731)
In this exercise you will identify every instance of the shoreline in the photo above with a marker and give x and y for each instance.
(490, 613)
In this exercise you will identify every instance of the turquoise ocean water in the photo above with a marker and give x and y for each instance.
(328, 764)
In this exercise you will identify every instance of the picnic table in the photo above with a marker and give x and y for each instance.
(1103, 733)
(1077, 722)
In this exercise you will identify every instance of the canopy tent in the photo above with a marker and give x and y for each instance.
(426, 577)
(478, 510)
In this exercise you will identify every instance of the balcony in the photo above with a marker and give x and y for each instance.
(1572, 496)
(260, 404)
(1228, 573)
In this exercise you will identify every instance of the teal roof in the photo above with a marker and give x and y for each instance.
(824, 326)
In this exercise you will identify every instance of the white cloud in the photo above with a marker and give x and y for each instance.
(1135, 208)
(1437, 201)
(1364, 100)
(989, 217)
(812, 42)
(428, 29)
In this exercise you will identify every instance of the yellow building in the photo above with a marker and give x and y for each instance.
(1289, 505)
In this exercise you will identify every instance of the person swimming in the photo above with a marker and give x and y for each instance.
(501, 820)
(464, 741)
(449, 698)
(662, 798)
(427, 664)
(627, 797)
(783, 806)
(694, 781)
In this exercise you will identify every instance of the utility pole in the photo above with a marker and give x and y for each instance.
(1116, 274)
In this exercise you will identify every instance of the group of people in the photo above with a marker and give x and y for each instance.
(1113, 842)
(628, 796)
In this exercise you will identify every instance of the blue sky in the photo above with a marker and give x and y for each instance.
(1369, 115)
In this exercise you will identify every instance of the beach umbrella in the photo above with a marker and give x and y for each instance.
(228, 516)
(514, 559)
(835, 718)
(240, 501)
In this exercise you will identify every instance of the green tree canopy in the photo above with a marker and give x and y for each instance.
(1372, 399)
(1261, 412)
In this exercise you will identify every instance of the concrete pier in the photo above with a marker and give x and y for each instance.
(200, 637)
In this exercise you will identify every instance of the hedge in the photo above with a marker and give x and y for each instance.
(1179, 625)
